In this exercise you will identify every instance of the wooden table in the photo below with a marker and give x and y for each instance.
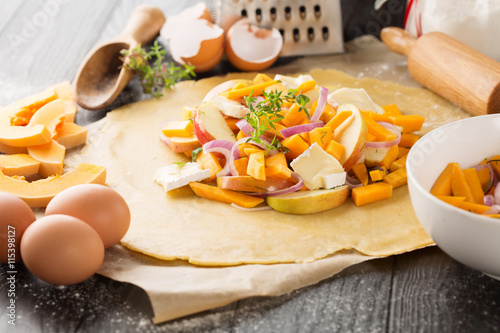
(43, 43)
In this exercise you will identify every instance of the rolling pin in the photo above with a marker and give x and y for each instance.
(462, 75)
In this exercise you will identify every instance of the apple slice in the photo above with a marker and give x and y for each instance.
(181, 144)
(351, 135)
(209, 124)
(309, 202)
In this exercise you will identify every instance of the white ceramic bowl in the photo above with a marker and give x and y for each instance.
(469, 238)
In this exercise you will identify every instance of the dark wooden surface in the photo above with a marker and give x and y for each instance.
(42, 42)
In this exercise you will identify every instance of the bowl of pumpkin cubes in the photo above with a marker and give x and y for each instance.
(453, 173)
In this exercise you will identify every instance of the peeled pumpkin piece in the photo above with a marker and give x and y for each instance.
(6, 149)
(18, 165)
(71, 135)
(29, 135)
(69, 110)
(50, 115)
(51, 158)
(64, 90)
(40, 192)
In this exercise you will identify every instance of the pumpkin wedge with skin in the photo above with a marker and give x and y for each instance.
(18, 165)
(29, 135)
(51, 158)
(71, 135)
(40, 192)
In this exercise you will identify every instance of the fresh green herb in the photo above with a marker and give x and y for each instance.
(180, 164)
(195, 152)
(155, 75)
(266, 113)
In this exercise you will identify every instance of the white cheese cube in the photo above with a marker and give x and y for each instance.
(174, 176)
(334, 179)
(313, 164)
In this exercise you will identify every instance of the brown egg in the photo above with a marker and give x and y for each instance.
(198, 43)
(97, 205)
(15, 217)
(251, 48)
(62, 249)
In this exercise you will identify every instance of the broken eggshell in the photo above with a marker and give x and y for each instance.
(252, 48)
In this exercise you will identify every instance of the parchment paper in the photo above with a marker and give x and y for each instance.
(177, 288)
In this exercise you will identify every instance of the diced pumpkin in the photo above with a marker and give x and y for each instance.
(410, 123)
(397, 178)
(39, 193)
(328, 112)
(380, 133)
(408, 140)
(256, 165)
(247, 146)
(376, 175)
(250, 184)
(240, 135)
(294, 116)
(306, 86)
(390, 157)
(378, 117)
(339, 119)
(474, 207)
(241, 166)
(371, 193)
(261, 78)
(226, 196)
(18, 165)
(71, 135)
(452, 200)
(51, 158)
(321, 135)
(210, 162)
(255, 89)
(295, 145)
(403, 151)
(180, 128)
(335, 149)
(474, 185)
(399, 163)
(231, 122)
(361, 173)
(392, 109)
(251, 149)
(459, 185)
(484, 177)
(278, 171)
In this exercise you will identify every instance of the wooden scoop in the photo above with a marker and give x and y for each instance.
(101, 76)
(451, 69)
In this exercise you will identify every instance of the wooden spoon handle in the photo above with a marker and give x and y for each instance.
(397, 40)
(144, 24)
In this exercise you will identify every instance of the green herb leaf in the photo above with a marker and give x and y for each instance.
(195, 152)
(155, 75)
(180, 164)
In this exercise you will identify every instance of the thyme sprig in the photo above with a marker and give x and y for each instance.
(154, 74)
(264, 114)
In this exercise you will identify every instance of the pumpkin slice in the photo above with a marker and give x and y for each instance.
(50, 156)
(69, 110)
(40, 192)
(14, 120)
(64, 90)
(50, 115)
(6, 149)
(18, 165)
(71, 135)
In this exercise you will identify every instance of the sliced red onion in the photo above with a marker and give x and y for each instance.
(257, 100)
(362, 158)
(224, 86)
(244, 126)
(386, 144)
(223, 147)
(489, 200)
(352, 182)
(323, 95)
(496, 194)
(251, 209)
(297, 129)
(293, 188)
(495, 209)
(492, 175)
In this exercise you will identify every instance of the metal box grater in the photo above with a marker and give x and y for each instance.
(308, 27)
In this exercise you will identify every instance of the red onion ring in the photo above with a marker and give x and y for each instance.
(297, 129)
(492, 175)
(496, 195)
(223, 147)
(489, 200)
(323, 95)
(293, 188)
(251, 209)
(495, 209)
(244, 126)
(352, 182)
(386, 144)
